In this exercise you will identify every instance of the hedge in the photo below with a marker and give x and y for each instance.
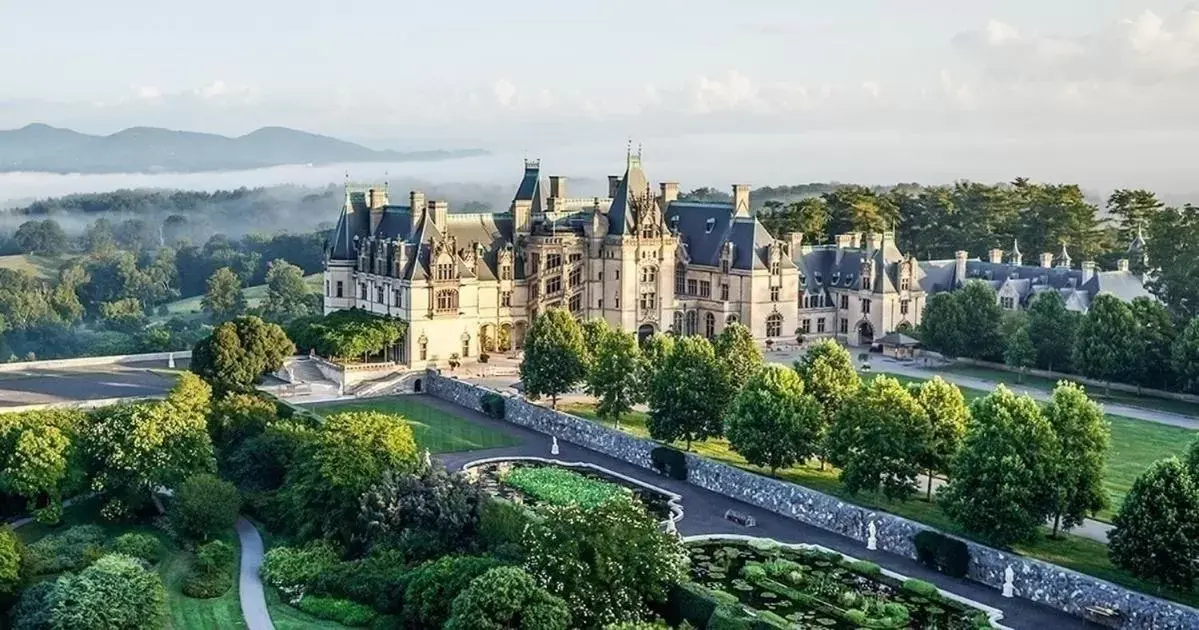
(670, 462)
(493, 405)
(942, 553)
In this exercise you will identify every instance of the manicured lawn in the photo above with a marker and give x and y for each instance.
(190, 307)
(434, 429)
(186, 613)
(45, 267)
(286, 617)
(1081, 554)
(1047, 384)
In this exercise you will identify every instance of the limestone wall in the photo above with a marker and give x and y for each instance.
(1055, 586)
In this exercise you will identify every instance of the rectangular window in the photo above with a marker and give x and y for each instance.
(774, 294)
(724, 266)
(617, 302)
(576, 278)
(649, 301)
(326, 288)
(680, 281)
(845, 302)
(506, 298)
(379, 295)
(805, 326)
(553, 285)
(362, 290)
(340, 289)
(424, 352)
(553, 261)
(903, 307)
(601, 276)
(865, 307)
(775, 268)
(576, 303)
(617, 276)
(1008, 303)
(535, 263)
(705, 289)
(599, 303)
(820, 325)
(445, 271)
(398, 297)
(576, 257)
(844, 326)
(693, 287)
(506, 272)
(724, 292)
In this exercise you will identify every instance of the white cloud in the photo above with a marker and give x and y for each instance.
(504, 92)
(148, 93)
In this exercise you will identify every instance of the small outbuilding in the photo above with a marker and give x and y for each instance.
(900, 346)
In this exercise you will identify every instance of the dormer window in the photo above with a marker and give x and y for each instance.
(674, 223)
(709, 226)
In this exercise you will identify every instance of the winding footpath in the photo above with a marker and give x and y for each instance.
(250, 591)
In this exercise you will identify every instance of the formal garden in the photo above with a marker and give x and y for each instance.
(1016, 474)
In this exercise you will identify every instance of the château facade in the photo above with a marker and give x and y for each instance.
(641, 259)
(648, 262)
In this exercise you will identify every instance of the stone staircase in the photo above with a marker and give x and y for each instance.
(305, 371)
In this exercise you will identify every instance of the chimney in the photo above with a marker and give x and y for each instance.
(522, 216)
(1047, 260)
(376, 198)
(855, 240)
(844, 241)
(959, 267)
(875, 240)
(670, 192)
(1122, 265)
(613, 185)
(557, 187)
(1088, 270)
(438, 211)
(796, 244)
(995, 256)
(416, 201)
(741, 200)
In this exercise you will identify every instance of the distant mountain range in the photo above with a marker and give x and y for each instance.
(43, 148)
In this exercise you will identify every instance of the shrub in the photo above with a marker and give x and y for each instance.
(942, 553)
(690, 603)
(753, 571)
(670, 462)
(204, 505)
(32, 611)
(864, 567)
(435, 584)
(12, 563)
(856, 617)
(342, 611)
(502, 526)
(211, 573)
(493, 405)
(921, 588)
(507, 597)
(484, 357)
(559, 486)
(728, 618)
(767, 619)
(377, 580)
(297, 567)
(115, 593)
(897, 612)
(69, 550)
(144, 546)
(784, 570)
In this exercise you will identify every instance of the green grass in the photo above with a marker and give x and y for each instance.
(288, 617)
(1081, 554)
(186, 613)
(190, 307)
(1047, 384)
(45, 267)
(434, 429)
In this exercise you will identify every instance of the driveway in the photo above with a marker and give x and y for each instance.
(41, 386)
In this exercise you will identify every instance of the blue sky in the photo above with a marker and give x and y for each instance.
(511, 74)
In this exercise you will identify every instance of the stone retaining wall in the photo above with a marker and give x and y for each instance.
(50, 364)
(1055, 586)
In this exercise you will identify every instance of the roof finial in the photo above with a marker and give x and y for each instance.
(628, 151)
(1015, 246)
(638, 150)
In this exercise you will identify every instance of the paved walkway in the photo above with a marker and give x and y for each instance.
(704, 514)
(250, 591)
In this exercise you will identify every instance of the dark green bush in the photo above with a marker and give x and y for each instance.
(942, 553)
(139, 545)
(435, 584)
(728, 618)
(377, 580)
(68, 550)
(32, 611)
(211, 573)
(502, 526)
(670, 462)
(287, 567)
(689, 602)
(114, 593)
(343, 611)
(921, 588)
(865, 568)
(493, 405)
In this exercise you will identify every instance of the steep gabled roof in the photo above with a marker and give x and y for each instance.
(633, 184)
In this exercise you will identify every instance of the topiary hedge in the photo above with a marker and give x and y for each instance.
(138, 545)
(670, 462)
(493, 405)
(343, 611)
(942, 553)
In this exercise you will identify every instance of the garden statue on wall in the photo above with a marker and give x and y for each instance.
(872, 536)
(554, 445)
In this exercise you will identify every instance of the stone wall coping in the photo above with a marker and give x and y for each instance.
(673, 502)
(994, 614)
(22, 366)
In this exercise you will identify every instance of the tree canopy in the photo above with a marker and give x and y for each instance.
(879, 439)
(688, 394)
(555, 357)
(239, 352)
(772, 422)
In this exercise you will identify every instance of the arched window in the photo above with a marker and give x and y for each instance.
(692, 323)
(732, 319)
(774, 325)
(649, 274)
(447, 301)
(678, 322)
(709, 325)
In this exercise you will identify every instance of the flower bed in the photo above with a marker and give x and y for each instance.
(822, 589)
(531, 482)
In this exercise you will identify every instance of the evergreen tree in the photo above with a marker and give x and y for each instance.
(1083, 437)
(1018, 352)
(772, 422)
(1186, 357)
(555, 357)
(1172, 246)
(1001, 486)
(1156, 534)
(982, 336)
(879, 439)
(1106, 346)
(943, 325)
(1052, 330)
(1154, 344)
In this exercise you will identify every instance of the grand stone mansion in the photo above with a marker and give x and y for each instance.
(645, 261)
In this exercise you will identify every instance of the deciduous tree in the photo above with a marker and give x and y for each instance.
(614, 377)
(555, 357)
(1155, 335)
(772, 422)
(1186, 357)
(1083, 437)
(1052, 330)
(982, 334)
(947, 414)
(239, 352)
(879, 439)
(828, 375)
(507, 597)
(1001, 487)
(1019, 352)
(688, 393)
(286, 292)
(1172, 246)
(204, 505)
(223, 299)
(737, 350)
(1156, 534)
(943, 325)
(1106, 347)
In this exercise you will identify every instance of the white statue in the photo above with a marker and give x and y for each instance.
(554, 445)
(428, 459)
(1009, 589)
(171, 360)
(872, 536)
(671, 528)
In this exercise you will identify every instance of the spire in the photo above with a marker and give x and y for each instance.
(1065, 257)
(1138, 243)
(1015, 247)
(1017, 258)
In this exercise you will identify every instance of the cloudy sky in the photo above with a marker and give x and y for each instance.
(1100, 89)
